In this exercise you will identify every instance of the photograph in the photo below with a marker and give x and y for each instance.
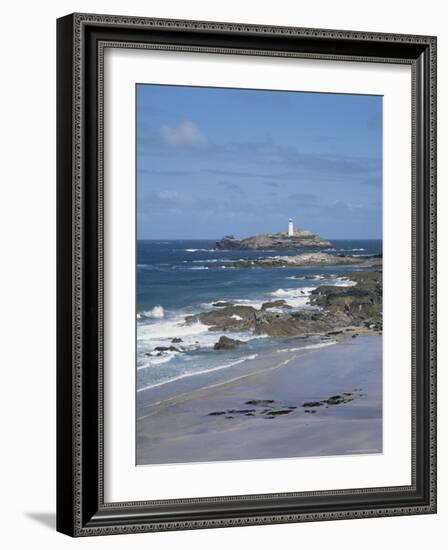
(259, 246)
(246, 272)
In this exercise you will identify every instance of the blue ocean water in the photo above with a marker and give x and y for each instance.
(174, 279)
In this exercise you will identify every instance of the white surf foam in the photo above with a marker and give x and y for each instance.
(326, 280)
(295, 297)
(310, 346)
(199, 372)
(194, 336)
(256, 304)
(169, 329)
(343, 281)
(152, 361)
(157, 312)
(308, 277)
(212, 261)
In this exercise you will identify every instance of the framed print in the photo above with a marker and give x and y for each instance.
(246, 274)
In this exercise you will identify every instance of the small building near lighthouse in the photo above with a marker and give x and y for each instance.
(290, 228)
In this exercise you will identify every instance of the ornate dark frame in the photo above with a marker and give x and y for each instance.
(81, 39)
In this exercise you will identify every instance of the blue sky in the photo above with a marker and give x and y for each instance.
(215, 161)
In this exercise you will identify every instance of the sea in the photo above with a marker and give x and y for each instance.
(177, 278)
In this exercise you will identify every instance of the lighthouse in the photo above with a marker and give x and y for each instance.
(290, 228)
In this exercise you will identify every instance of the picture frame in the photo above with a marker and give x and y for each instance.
(81, 507)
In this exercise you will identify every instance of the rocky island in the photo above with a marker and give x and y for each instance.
(288, 240)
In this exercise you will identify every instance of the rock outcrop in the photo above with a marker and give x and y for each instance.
(311, 259)
(227, 343)
(361, 304)
(337, 311)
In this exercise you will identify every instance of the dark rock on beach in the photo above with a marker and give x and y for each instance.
(269, 409)
(260, 408)
(279, 412)
(162, 349)
(345, 397)
(227, 343)
(338, 399)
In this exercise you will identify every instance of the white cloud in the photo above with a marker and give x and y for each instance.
(170, 199)
(186, 134)
(168, 195)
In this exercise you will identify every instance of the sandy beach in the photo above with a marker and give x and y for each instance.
(260, 413)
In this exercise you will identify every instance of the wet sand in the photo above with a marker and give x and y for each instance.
(260, 414)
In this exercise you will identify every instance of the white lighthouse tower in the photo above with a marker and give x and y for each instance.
(290, 228)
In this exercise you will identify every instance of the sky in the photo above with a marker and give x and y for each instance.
(218, 161)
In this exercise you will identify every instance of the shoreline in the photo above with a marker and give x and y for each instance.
(182, 389)
(256, 363)
(346, 305)
(233, 419)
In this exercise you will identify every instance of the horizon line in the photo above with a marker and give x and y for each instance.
(219, 238)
